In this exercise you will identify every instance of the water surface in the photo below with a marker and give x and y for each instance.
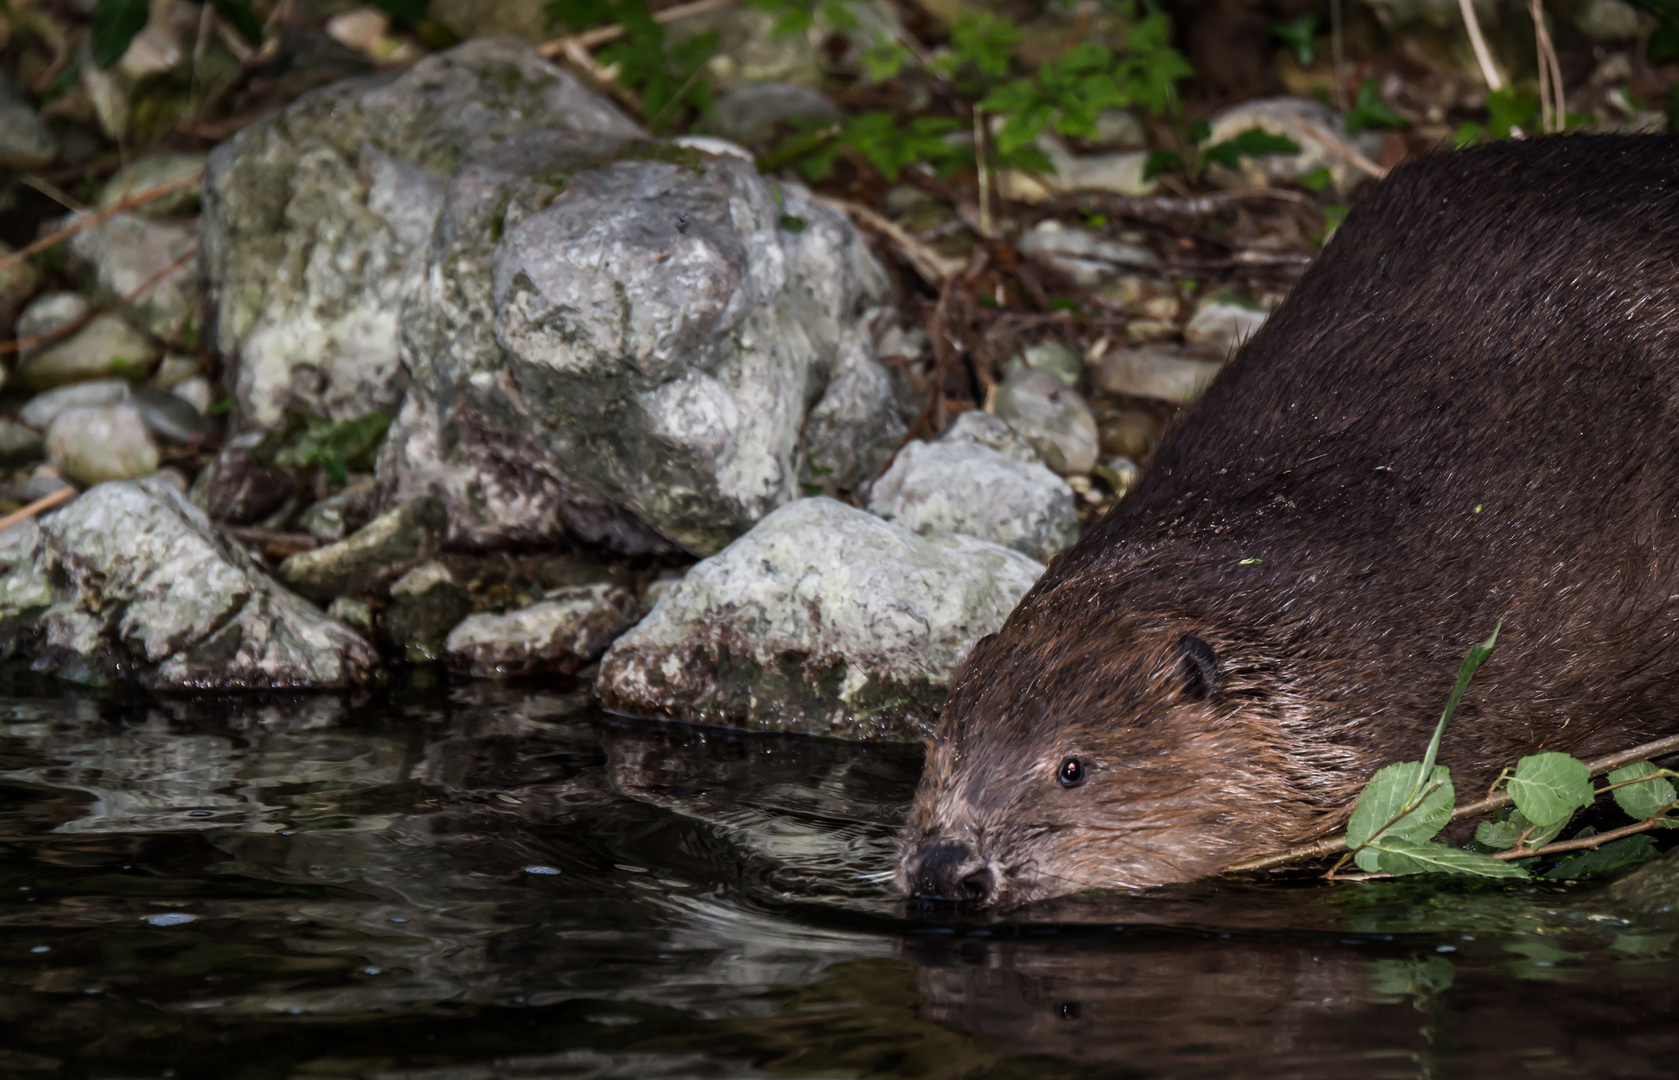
(473, 882)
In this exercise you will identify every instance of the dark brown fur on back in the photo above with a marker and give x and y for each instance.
(1465, 412)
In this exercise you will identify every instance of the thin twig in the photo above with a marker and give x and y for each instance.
(1335, 50)
(20, 344)
(1345, 152)
(600, 35)
(39, 506)
(984, 171)
(99, 217)
(1471, 23)
(1331, 845)
(52, 191)
(1584, 843)
(1554, 109)
(934, 268)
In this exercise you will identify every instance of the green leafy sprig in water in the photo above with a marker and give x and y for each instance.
(1402, 809)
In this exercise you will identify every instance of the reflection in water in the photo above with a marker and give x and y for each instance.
(486, 882)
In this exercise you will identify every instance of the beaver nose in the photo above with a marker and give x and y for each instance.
(946, 871)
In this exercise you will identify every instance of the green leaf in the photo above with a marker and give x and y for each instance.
(1472, 662)
(1370, 111)
(1645, 799)
(1403, 857)
(1549, 787)
(1663, 46)
(1512, 108)
(579, 15)
(1395, 805)
(239, 15)
(792, 224)
(1298, 34)
(1316, 180)
(1257, 142)
(115, 22)
(408, 13)
(1468, 134)
(1505, 830)
(1627, 851)
(1162, 161)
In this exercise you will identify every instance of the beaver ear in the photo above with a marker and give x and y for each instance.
(1200, 667)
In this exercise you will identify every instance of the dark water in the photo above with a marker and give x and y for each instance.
(471, 883)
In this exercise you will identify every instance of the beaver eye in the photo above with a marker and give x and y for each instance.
(1071, 772)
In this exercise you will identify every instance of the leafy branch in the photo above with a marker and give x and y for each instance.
(1405, 805)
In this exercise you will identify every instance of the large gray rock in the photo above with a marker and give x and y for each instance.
(823, 619)
(646, 345)
(317, 219)
(958, 486)
(114, 258)
(131, 581)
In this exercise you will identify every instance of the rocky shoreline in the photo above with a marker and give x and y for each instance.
(498, 368)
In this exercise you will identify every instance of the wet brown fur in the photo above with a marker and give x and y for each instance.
(1491, 329)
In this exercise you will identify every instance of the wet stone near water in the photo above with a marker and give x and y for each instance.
(570, 628)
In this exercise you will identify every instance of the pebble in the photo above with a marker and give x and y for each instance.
(154, 171)
(1129, 431)
(25, 142)
(170, 417)
(18, 283)
(91, 445)
(106, 347)
(1220, 325)
(196, 392)
(1159, 372)
(335, 516)
(19, 443)
(573, 627)
(356, 614)
(750, 115)
(49, 311)
(1314, 127)
(40, 411)
(175, 370)
(978, 426)
(1121, 173)
(384, 549)
(113, 259)
(1086, 257)
(1052, 417)
(961, 487)
(425, 604)
(1062, 361)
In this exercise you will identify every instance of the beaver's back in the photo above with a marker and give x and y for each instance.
(1466, 412)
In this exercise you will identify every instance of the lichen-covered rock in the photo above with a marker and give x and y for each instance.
(114, 258)
(130, 581)
(385, 548)
(91, 445)
(962, 487)
(316, 219)
(425, 604)
(823, 619)
(571, 628)
(640, 343)
(984, 429)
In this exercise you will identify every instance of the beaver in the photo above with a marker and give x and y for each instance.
(1464, 413)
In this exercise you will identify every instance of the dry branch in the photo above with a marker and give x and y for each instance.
(20, 344)
(39, 506)
(934, 268)
(99, 217)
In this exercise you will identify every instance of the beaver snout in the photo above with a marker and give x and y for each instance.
(949, 871)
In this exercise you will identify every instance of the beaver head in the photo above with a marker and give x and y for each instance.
(1079, 751)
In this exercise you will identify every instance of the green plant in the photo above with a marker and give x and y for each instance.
(665, 75)
(1298, 34)
(1405, 805)
(1370, 111)
(1064, 95)
(116, 22)
(335, 446)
